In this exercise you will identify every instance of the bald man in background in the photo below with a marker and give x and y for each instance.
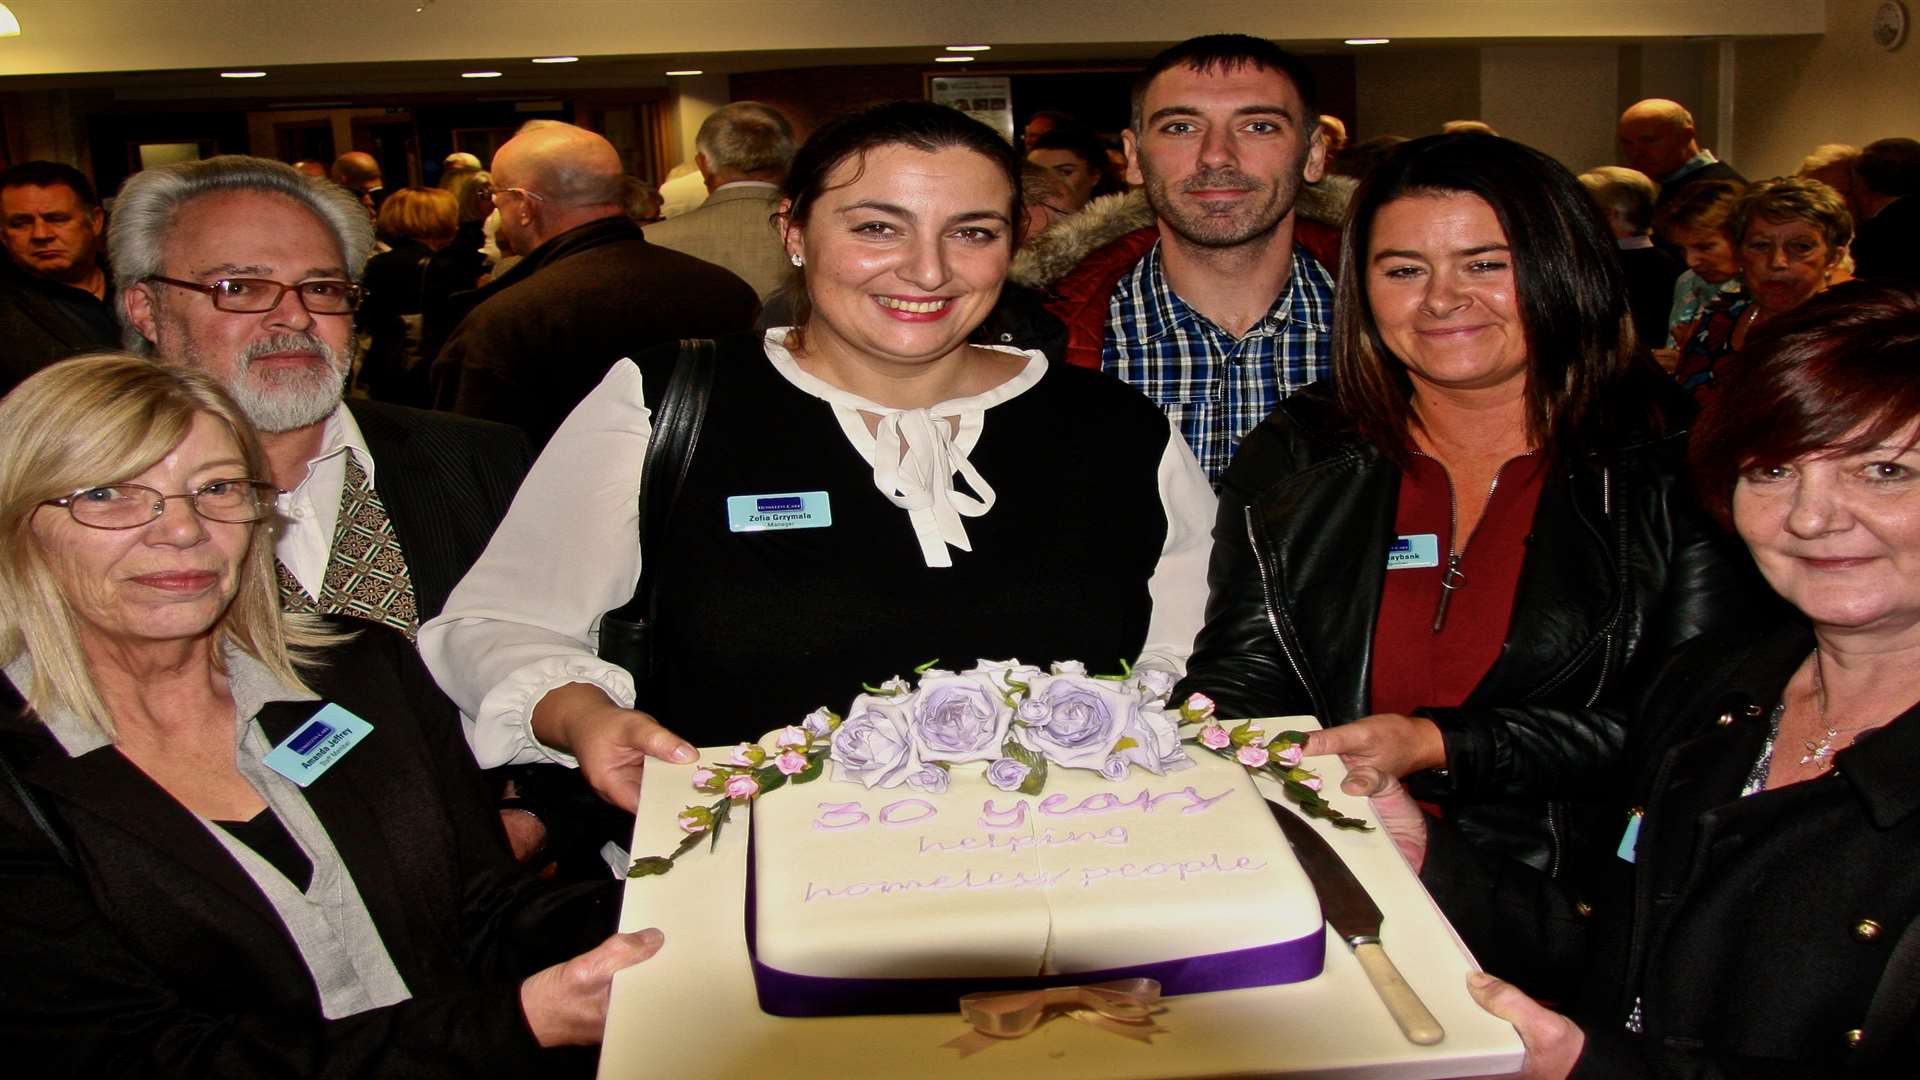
(590, 291)
(1657, 137)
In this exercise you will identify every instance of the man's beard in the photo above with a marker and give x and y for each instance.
(285, 399)
(1247, 221)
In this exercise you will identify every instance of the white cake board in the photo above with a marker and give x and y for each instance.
(690, 1012)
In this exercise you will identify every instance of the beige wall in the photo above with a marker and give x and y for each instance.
(1556, 98)
(1413, 91)
(1791, 95)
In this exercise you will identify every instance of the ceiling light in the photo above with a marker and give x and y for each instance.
(953, 59)
(687, 71)
(9, 25)
(479, 74)
(555, 59)
(968, 48)
(243, 74)
(1368, 40)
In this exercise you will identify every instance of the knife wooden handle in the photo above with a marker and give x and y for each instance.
(1416, 1023)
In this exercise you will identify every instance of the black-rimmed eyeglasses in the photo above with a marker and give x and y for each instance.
(129, 506)
(251, 296)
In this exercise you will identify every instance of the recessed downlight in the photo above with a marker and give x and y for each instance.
(243, 74)
(556, 59)
(687, 71)
(1367, 40)
(479, 74)
(953, 59)
(968, 48)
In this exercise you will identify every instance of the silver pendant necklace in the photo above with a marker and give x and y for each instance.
(1818, 752)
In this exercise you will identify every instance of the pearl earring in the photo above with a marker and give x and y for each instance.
(797, 259)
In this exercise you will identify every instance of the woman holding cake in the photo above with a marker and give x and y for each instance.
(944, 501)
(1761, 917)
(1465, 553)
(235, 842)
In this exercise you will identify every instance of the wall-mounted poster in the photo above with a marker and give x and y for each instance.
(986, 98)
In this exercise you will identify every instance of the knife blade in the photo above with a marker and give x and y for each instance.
(1356, 919)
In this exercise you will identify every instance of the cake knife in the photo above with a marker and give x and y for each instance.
(1356, 918)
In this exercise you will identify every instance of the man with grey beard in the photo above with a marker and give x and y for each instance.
(247, 269)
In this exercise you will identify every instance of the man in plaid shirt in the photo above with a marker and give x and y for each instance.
(1224, 316)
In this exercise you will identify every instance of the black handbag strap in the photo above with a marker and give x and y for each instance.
(11, 702)
(676, 432)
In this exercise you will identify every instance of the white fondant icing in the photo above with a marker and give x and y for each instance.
(1088, 876)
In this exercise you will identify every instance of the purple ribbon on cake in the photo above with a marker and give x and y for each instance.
(1124, 1008)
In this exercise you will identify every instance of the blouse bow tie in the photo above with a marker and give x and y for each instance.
(914, 463)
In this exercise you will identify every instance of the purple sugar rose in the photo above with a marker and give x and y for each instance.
(874, 745)
(819, 723)
(1156, 683)
(931, 779)
(1114, 768)
(1084, 719)
(1156, 740)
(1033, 712)
(1007, 774)
(958, 719)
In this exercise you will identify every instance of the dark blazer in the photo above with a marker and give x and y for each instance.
(1621, 567)
(1887, 246)
(540, 337)
(43, 321)
(446, 482)
(160, 957)
(1739, 927)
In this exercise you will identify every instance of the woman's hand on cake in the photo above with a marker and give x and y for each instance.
(1405, 822)
(1553, 1042)
(612, 744)
(1389, 743)
(566, 1004)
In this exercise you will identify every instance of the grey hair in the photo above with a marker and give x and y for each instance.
(746, 137)
(1629, 191)
(151, 199)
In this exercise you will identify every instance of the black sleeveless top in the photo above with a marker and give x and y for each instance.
(756, 629)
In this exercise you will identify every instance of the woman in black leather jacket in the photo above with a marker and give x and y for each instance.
(1464, 555)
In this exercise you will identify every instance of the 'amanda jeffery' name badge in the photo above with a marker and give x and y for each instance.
(792, 510)
(314, 747)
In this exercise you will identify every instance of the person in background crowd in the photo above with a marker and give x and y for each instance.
(743, 153)
(1759, 917)
(1046, 198)
(1044, 121)
(1077, 156)
(315, 169)
(1657, 137)
(1887, 190)
(1791, 236)
(1695, 222)
(1626, 197)
(359, 173)
(1467, 127)
(641, 200)
(1217, 313)
(939, 461)
(56, 298)
(1333, 132)
(1534, 548)
(1832, 165)
(589, 290)
(180, 901)
(460, 159)
(1360, 158)
(385, 507)
(421, 223)
(682, 191)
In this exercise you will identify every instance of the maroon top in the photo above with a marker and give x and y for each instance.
(1412, 665)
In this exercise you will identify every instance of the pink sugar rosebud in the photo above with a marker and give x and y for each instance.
(1215, 737)
(704, 779)
(1253, 757)
(1198, 707)
(791, 762)
(1288, 757)
(695, 819)
(1311, 783)
(742, 755)
(790, 737)
(742, 787)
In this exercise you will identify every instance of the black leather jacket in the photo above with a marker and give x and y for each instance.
(1621, 568)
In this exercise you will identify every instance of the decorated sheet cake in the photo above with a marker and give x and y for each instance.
(1008, 828)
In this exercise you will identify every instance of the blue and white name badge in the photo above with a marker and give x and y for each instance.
(317, 744)
(793, 510)
(1629, 848)
(1414, 552)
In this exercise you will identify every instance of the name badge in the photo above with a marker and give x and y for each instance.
(793, 510)
(312, 749)
(1629, 848)
(1414, 552)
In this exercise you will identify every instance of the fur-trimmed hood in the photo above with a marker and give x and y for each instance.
(1053, 254)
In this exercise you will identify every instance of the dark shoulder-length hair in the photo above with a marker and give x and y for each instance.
(1834, 375)
(1568, 282)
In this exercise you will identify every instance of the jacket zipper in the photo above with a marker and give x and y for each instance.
(1453, 579)
(1273, 614)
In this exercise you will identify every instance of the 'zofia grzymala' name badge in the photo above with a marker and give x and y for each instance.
(793, 510)
(1414, 552)
(313, 748)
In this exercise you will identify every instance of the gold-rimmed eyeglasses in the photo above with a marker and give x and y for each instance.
(129, 506)
(251, 296)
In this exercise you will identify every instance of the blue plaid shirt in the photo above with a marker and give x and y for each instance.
(1215, 386)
